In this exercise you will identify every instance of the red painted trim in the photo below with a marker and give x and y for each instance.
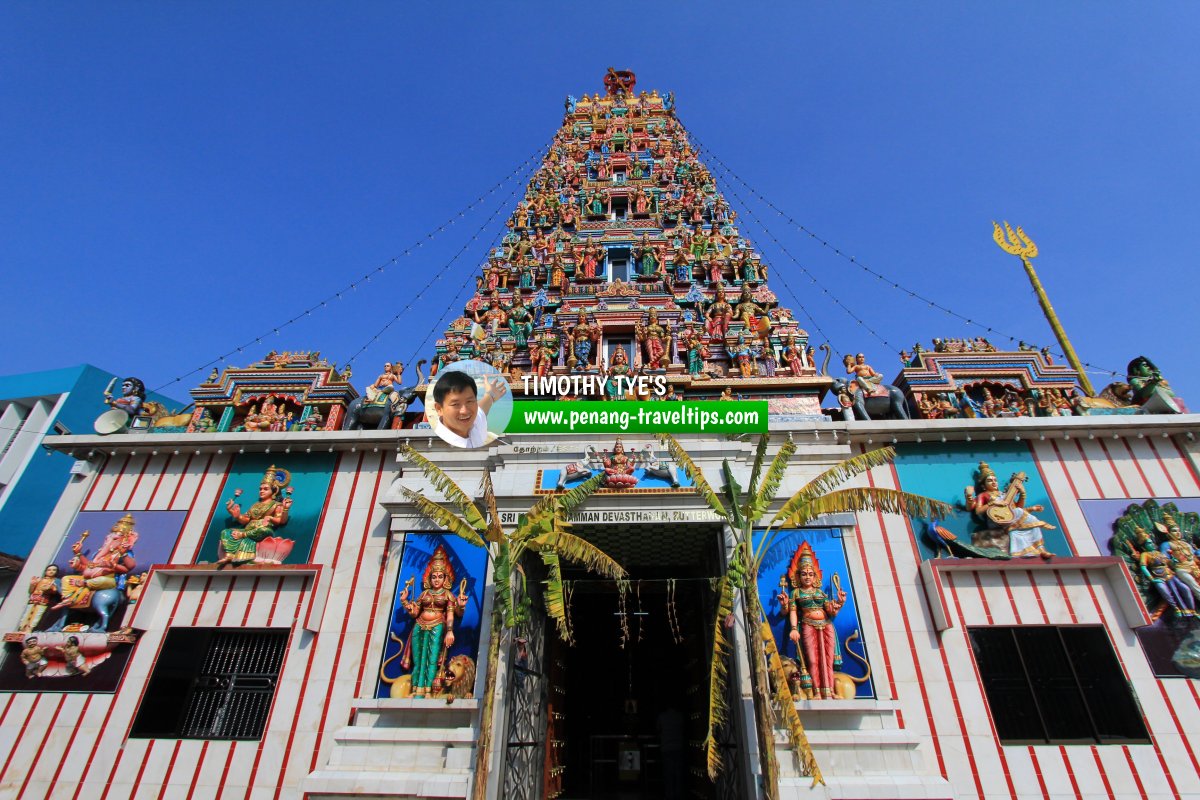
(1162, 464)
(1037, 594)
(1113, 466)
(987, 608)
(41, 746)
(1062, 752)
(170, 768)
(249, 600)
(1103, 772)
(1066, 598)
(146, 683)
(312, 650)
(1179, 727)
(162, 473)
(962, 624)
(375, 609)
(1088, 464)
(337, 659)
(225, 772)
(95, 482)
(1187, 463)
(229, 595)
(1037, 770)
(212, 511)
(117, 480)
(12, 751)
(325, 507)
(1137, 464)
(1012, 601)
(183, 476)
(1157, 751)
(62, 762)
(196, 772)
(1062, 462)
(267, 727)
(200, 605)
(908, 631)
(141, 476)
(1037, 463)
(275, 600)
(191, 508)
(137, 781)
(1133, 771)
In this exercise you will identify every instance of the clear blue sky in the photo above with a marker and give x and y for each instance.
(179, 178)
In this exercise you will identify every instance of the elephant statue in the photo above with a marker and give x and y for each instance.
(888, 402)
(360, 414)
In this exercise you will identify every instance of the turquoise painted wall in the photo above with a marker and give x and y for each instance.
(942, 471)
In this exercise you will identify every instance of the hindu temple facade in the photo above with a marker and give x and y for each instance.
(261, 601)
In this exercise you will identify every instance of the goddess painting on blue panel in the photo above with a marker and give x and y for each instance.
(433, 630)
(807, 594)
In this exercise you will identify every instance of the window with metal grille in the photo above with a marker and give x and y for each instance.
(1056, 685)
(212, 683)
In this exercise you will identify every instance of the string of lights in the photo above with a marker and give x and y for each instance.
(366, 277)
(441, 271)
(796, 299)
(1094, 368)
(813, 278)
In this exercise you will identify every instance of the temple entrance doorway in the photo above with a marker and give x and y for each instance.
(629, 699)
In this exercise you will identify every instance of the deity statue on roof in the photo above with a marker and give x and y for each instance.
(493, 317)
(520, 321)
(654, 339)
(718, 315)
(584, 336)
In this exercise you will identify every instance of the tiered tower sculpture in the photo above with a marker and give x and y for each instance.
(623, 258)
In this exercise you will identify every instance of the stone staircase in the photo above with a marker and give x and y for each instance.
(400, 749)
(862, 752)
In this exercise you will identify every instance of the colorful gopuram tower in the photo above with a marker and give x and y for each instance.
(623, 258)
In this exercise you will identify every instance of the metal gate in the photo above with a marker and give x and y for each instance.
(526, 700)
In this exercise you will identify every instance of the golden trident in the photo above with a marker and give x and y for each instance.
(1018, 244)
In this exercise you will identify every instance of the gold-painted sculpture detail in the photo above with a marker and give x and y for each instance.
(1017, 243)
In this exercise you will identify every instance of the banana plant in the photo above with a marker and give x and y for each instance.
(544, 530)
(743, 509)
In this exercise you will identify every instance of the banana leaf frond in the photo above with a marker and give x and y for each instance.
(540, 517)
(733, 495)
(760, 455)
(770, 485)
(571, 500)
(889, 501)
(446, 485)
(787, 704)
(556, 604)
(834, 477)
(502, 581)
(494, 530)
(693, 472)
(718, 667)
(443, 516)
(579, 551)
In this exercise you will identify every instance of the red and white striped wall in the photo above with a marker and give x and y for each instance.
(934, 677)
(77, 745)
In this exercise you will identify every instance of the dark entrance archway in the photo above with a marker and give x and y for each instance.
(629, 700)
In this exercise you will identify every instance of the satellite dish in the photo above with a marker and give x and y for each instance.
(112, 421)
